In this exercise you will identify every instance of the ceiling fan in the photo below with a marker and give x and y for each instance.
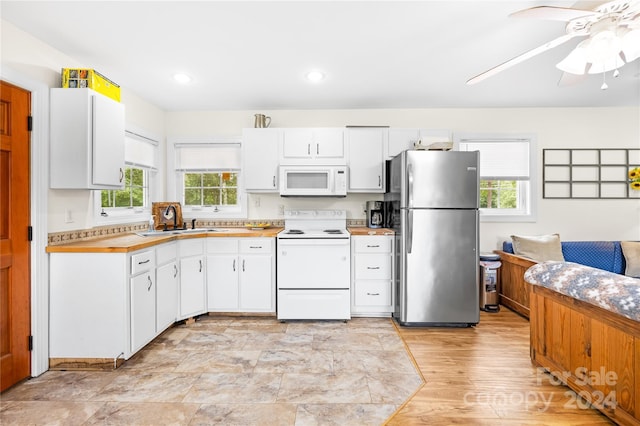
(613, 38)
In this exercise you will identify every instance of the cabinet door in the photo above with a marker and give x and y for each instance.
(401, 140)
(222, 282)
(192, 288)
(260, 149)
(107, 141)
(256, 287)
(167, 295)
(366, 163)
(329, 143)
(143, 310)
(297, 144)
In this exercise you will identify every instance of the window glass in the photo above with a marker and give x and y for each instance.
(506, 175)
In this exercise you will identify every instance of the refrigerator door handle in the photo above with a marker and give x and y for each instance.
(409, 230)
(410, 185)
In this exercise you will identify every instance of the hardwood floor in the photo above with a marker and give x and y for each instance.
(484, 375)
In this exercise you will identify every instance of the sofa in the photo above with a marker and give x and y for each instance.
(514, 291)
(585, 331)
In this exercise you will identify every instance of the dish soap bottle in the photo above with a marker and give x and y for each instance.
(152, 223)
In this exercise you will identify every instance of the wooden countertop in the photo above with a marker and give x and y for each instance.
(363, 230)
(131, 242)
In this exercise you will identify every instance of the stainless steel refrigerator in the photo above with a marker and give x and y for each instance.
(434, 201)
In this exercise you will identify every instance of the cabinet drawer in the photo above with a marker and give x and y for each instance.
(255, 245)
(374, 244)
(373, 293)
(191, 247)
(222, 245)
(166, 253)
(373, 267)
(142, 261)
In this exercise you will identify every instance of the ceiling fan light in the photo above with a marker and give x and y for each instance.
(610, 64)
(575, 62)
(631, 45)
(603, 46)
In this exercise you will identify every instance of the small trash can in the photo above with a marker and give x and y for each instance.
(490, 282)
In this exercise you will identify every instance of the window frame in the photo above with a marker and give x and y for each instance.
(118, 215)
(175, 180)
(527, 189)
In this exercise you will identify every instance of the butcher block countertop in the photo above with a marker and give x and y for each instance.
(363, 230)
(131, 242)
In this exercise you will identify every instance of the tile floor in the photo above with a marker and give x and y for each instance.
(234, 371)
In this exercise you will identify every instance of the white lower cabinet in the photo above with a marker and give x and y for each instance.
(241, 274)
(372, 275)
(168, 285)
(143, 309)
(193, 299)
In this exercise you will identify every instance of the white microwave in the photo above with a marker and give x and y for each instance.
(313, 181)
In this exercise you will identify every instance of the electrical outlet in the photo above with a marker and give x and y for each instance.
(256, 201)
(68, 217)
(281, 209)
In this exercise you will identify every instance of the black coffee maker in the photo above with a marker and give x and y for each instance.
(375, 214)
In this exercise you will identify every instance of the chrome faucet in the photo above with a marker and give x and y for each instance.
(175, 215)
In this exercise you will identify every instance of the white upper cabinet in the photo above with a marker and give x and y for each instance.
(260, 152)
(403, 139)
(87, 140)
(366, 158)
(323, 146)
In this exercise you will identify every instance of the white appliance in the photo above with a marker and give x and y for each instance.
(314, 263)
(313, 181)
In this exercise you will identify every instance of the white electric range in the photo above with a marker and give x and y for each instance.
(313, 266)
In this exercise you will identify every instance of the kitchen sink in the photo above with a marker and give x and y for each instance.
(158, 233)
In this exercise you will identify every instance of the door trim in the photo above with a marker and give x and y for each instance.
(39, 172)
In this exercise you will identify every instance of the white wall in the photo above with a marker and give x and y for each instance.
(25, 54)
(554, 127)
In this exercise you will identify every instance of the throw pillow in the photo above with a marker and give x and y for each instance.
(631, 251)
(539, 248)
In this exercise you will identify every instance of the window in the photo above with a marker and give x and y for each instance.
(132, 203)
(134, 194)
(211, 189)
(506, 174)
(208, 177)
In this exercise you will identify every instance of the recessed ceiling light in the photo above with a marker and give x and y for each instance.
(315, 76)
(182, 78)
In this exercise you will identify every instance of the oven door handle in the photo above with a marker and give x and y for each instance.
(315, 242)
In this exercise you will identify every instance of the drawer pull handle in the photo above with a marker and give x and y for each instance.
(144, 261)
(175, 271)
(150, 283)
(373, 267)
(200, 266)
(373, 294)
(255, 247)
(242, 265)
(373, 246)
(234, 265)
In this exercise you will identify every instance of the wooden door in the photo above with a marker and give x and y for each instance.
(15, 303)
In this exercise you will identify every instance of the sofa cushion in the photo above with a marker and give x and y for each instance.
(539, 248)
(606, 255)
(631, 251)
(613, 292)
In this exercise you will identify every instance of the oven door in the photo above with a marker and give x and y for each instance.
(314, 263)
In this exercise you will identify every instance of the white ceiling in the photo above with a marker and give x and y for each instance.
(376, 54)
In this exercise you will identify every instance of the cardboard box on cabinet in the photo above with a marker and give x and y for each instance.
(74, 78)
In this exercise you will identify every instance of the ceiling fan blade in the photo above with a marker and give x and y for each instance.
(553, 13)
(521, 58)
(568, 79)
